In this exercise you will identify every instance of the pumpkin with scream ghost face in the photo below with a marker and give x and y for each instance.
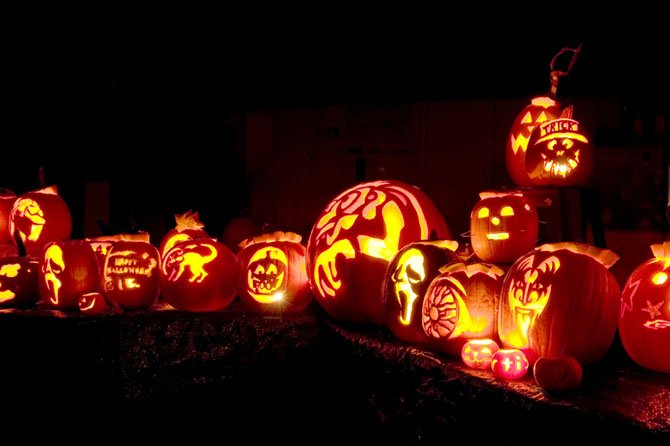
(503, 226)
(644, 325)
(272, 273)
(354, 238)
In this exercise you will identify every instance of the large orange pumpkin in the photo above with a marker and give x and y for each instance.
(68, 270)
(130, 274)
(188, 227)
(560, 300)
(41, 217)
(199, 275)
(460, 305)
(540, 110)
(408, 276)
(559, 154)
(645, 312)
(354, 238)
(7, 199)
(272, 273)
(503, 226)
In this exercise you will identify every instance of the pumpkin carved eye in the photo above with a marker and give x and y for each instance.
(507, 211)
(527, 119)
(483, 213)
(567, 143)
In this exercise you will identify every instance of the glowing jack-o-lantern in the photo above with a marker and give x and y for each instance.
(509, 363)
(645, 312)
(199, 275)
(478, 353)
(188, 227)
(407, 277)
(40, 217)
(560, 300)
(355, 237)
(101, 245)
(7, 199)
(68, 270)
(130, 274)
(94, 304)
(460, 305)
(273, 276)
(18, 281)
(559, 154)
(539, 111)
(503, 226)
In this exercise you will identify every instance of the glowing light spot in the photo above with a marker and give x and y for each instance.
(659, 278)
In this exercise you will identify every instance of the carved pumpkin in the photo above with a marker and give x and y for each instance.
(563, 373)
(94, 304)
(7, 198)
(645, 312)
(478, 353)
(503, 226)
(130, 274)
(540, 110)
(560, 300)
(559, 154)
(273, 276)
(18, 281)
(461, 304)
(68, 270)
(40, 217)
(408, 276)
(354, 238)
(199, 275)
(509, 363)
(188, 227)
(101, 245)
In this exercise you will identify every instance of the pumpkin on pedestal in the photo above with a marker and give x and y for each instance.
(188, 227)
(272, 273)
(199, 275)
(560, 300)
(354, 238)
(130, 274)
(461, 304)
(540, 110)
(408, 276)
(644, 324)
(559, 154)
(503, 226)
(68, 270)
(40, 217)
(7, 198)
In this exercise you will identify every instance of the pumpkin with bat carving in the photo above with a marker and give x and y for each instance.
(40, 217)
(354, 238)
(272, 273)
(560, 300)
(199, 275)
(540, 110)
(644, 325)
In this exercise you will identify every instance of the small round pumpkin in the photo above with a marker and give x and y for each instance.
(356, 236)
(41, 217)
(560, 300)
(130, 275)
(18, 281)
(540, 110)
(7, 198)
(503, 226)
(199, 275)
(272, 273)
(68, 270)
(509, 363)
(478, 353)
(188, 227)
(408, 276)
(559, 154)
(562, 373)
(644, 325)
(460, 305)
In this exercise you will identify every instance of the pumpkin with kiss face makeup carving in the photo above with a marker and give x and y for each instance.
(644, 325)
(273, 276)
(540, 110)
(503, 226)
(354, 238)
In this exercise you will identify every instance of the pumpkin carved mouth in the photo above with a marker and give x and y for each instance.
(497, 235)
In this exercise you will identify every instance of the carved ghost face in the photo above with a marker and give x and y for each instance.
(52, 268)
(407, 279)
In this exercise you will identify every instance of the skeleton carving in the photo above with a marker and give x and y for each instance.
(180, 258)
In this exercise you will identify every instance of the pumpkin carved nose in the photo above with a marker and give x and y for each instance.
(495, 221)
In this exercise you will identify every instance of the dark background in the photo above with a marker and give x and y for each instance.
(155, 107)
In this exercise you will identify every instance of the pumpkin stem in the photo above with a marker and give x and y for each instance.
(42, 177)
(20, 246)
(555, 74)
